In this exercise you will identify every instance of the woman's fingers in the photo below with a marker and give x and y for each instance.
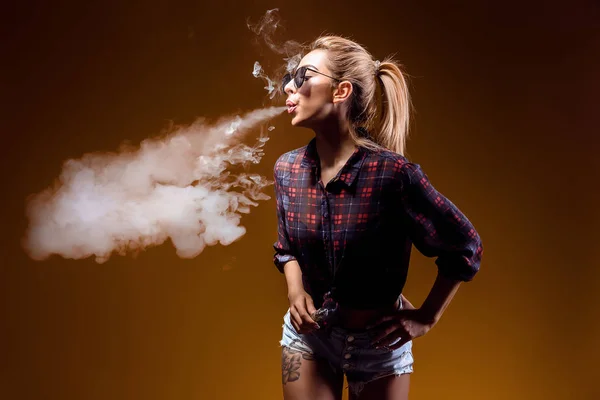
(295, 320)
(310, 306)
(403, 340)
(394, 337)
(383, 336)
(305, 323)
(307, 320)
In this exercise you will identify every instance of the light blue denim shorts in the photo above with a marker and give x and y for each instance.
(350, 352)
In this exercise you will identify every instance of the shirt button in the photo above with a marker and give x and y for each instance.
(347, 356)
(351, 338)
(346, 366)
(350, 348)
(325, 215)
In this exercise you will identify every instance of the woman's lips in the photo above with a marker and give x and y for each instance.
(291, 106)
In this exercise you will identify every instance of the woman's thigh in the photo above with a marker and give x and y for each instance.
(392, 387)
(306, 377)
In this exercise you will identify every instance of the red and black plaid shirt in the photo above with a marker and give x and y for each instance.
(354, 236)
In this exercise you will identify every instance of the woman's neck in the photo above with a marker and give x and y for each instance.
(334, 145)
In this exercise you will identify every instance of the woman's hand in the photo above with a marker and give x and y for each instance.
(301, 309)
(400, 327)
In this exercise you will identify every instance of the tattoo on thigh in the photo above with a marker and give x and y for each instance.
(291, 360)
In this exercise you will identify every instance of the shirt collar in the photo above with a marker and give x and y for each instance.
(349, 171)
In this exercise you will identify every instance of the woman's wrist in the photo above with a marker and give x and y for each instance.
(293, 277)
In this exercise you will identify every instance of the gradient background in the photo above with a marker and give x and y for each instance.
(505, 127)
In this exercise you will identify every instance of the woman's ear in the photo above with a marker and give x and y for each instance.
(342, 91)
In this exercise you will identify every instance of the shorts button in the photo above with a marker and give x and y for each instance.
(350, 338)
(347, 356)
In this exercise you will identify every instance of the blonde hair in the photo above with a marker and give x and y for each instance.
(380, 100)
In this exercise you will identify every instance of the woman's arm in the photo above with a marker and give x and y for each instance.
(284, 251)
(439, 298)
(437, 301)
(301, 303)
(439, 229)
(293, 276)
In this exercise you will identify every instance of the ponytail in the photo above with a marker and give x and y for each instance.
(394, 108)
(379, 109)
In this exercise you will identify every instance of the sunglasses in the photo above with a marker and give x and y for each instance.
(299, 77)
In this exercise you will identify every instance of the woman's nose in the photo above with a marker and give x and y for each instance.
(290, 87)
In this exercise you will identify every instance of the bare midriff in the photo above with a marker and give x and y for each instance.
(357, 320)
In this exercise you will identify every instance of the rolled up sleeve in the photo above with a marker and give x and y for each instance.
(437, 227)
(283, 248)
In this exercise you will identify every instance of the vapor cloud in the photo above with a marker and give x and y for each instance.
(179, 187)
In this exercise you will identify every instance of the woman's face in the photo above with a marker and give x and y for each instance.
(312, 103)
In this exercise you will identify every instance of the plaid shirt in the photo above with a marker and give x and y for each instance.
(354, 236)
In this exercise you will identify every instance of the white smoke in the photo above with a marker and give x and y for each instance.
(180, 187)
(259, 73)
(267, 28)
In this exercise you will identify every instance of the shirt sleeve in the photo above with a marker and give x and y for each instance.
(283, 247)
(437, 227)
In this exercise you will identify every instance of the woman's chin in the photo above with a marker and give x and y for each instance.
(296, 121)
(300, 122)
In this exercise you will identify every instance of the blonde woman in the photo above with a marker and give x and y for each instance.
(349, 207)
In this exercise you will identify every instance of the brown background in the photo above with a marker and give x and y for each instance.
(505, 127)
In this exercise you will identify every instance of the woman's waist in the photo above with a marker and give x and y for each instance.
(358, 318)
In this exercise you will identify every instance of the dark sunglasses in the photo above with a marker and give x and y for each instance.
(298, 77)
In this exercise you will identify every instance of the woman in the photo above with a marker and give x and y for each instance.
(349, 207)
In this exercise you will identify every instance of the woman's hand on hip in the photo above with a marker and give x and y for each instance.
(301, 309)
(393, 330)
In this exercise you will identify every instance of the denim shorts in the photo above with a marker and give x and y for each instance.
(350, 352)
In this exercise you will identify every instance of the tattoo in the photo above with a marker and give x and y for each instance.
(291, 360)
